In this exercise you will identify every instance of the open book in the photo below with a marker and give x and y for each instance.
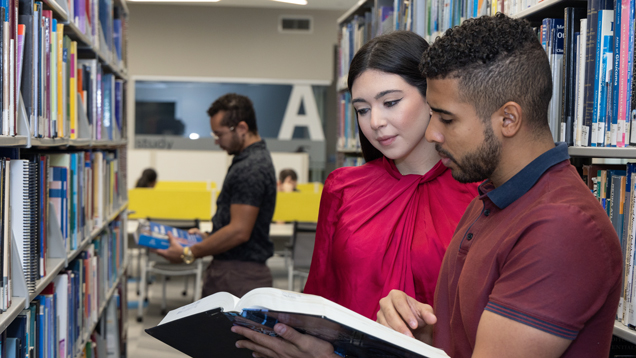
(155, 235)
(202, 329)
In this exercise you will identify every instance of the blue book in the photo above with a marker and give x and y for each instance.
(73, 204)
(18, 329)
(601, 80)
(613, 96)
(41, 326)
(155, 235)
(12, 346)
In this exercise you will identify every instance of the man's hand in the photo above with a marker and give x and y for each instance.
(291, 344)
(173, 252)
(408, 316)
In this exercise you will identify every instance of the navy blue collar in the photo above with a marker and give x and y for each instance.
(523, 181)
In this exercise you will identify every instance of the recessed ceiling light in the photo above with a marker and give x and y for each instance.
(296, 2)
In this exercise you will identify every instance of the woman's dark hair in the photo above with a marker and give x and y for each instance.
(148, 176)
(399, 53)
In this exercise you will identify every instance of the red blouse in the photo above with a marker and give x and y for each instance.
(380, 230)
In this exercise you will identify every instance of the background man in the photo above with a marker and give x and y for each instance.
(239, 241)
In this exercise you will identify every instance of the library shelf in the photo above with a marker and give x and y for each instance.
(592, 152)
(53, 267)
(625, 333)
(65, 142)
(354, 9)
(17, 305)
(547, 8)
(73, 254)
(10, 141)
(111, 291)
(60, 13)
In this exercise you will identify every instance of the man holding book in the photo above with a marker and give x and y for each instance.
(534, 268)
(239, 240)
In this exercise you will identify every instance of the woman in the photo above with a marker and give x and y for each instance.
(386, 225)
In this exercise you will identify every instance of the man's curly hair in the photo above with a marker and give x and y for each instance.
(497, 59)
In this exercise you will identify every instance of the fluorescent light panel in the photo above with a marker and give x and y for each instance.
(295, 2)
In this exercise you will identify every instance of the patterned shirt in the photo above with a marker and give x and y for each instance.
(250, 180)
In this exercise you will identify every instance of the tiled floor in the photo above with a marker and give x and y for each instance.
(140, 344)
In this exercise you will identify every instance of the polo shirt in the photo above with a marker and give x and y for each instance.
(250, 180)
(539, 250)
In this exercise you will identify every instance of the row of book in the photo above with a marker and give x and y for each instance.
(615, 188)
(58, 318)
(348, 138)
(53, 198)
(591, 54)
(53, 325)
(50, 87)
(102, 23)
(373, 22)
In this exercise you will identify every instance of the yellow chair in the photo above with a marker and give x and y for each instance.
(297, 206)
(177, 204)
(188, 185)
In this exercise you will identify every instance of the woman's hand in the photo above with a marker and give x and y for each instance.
(291, 344)
(406, 315)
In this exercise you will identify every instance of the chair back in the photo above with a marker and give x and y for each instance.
(303, 241)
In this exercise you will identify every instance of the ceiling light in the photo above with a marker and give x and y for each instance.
(175, 1)
(295, 2)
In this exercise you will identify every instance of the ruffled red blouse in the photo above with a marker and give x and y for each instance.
(380, 230)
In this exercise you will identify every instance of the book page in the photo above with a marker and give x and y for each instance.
(223, 300)
(271, 299)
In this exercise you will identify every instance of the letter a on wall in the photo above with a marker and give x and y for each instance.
(301, 94)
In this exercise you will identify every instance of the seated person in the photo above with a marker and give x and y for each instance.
(287, 181)
(148, 179)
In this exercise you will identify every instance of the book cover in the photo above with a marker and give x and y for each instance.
(155, 235)
(202, 329)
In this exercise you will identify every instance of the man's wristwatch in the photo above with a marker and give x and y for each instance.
(187, 256)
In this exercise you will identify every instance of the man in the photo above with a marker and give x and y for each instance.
(534, 268)
(239, 241)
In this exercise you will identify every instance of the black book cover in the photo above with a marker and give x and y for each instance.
(202, 335)
(572, 25)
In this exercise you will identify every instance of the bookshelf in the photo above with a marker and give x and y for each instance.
(81, 118)
(532, 10)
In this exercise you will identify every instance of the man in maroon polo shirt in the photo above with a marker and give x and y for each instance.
(534, 268)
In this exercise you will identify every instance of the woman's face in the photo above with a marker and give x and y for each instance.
(392, 114)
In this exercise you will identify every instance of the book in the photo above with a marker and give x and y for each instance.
(155, 235)
(202, 328)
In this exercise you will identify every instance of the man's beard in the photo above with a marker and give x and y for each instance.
(236, 146)
(480, 164)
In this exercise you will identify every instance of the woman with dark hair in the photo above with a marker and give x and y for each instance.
(148, 179)
(386, 224)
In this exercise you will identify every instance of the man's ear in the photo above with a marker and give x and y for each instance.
(242, 128)
(510, 119)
